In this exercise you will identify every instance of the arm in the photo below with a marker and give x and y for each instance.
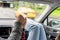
(58, 37)
(16, 32)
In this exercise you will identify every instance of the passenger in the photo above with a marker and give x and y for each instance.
(16, 31)
(36, 30)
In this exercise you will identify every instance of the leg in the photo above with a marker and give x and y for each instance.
(42, 33)
(34, 33)
(37, 33)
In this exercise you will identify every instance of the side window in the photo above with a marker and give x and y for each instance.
(53, 19)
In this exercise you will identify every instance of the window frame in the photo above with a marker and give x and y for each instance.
(48, 15)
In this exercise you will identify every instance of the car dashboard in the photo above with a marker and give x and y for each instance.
(5, 31)
(6, 27)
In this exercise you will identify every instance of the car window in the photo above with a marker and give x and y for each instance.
(56, 13)
(31, 10)
(53, 19)
(34, 6)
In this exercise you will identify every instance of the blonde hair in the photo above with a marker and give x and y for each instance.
(17, 13)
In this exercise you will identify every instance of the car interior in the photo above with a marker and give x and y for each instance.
(50, 22)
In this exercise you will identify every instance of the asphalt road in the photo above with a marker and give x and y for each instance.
(6, 16)
(7, 13)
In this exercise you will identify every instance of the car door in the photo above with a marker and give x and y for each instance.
(52, 23)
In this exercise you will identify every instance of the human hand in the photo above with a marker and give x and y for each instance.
(21, 19)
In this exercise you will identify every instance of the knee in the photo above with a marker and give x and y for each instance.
(38, 26)
(34, 27)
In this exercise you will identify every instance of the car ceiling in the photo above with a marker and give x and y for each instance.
(58, 1)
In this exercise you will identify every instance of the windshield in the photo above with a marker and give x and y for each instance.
(31, 10)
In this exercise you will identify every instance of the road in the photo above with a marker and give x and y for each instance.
(6, 13)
